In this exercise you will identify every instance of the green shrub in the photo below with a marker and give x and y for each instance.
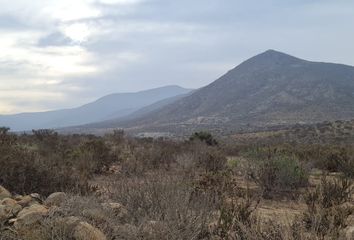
(280, 174)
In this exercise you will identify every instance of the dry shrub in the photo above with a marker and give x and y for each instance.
(279, 174)
(339, 159)
(210, 159)
(46, 162)
(238, 220)
(141, 156)
(25, 172)
(165, 200)
(326, 212)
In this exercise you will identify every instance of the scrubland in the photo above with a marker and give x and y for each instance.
(197, 188)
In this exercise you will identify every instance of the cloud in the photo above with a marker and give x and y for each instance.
(64, 53)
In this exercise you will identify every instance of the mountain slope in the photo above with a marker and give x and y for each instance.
(269, 89)
(112, 106)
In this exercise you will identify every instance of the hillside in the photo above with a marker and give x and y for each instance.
(111, 106)
(272, 88)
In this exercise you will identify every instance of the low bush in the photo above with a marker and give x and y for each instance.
(166, 202)
(326, 215)
(204, 137)
(279, 174)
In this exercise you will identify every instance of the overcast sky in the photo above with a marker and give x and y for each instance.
(63, 53)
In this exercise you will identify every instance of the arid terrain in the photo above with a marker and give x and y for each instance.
(176, 120)
(245, 186)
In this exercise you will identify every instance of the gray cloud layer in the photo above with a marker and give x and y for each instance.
(64, 53)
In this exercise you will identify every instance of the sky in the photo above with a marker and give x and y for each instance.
(64, 53)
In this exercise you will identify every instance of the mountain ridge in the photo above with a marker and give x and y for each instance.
(268, 89)
(110, 106)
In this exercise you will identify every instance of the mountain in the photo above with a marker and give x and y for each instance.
(111, 106)
(271, 88)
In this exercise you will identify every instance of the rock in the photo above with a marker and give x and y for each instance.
(37, 197)
(26, 201)
(67, 223)
(85, 231)
(5, 213)
(12, 221)
(30, 215)
(8, 201)
(118, 210)
(55, 199)
(12, 205)
(4, 193)
(349, 233)
(17, 197)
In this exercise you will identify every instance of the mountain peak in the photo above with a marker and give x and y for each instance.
(275, 55)
(272, 58)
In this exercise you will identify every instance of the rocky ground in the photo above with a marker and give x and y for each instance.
(19, 213)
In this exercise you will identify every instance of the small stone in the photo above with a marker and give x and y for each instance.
(26, 201)
(37, 197)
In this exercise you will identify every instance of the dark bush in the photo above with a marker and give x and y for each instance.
(204, 137)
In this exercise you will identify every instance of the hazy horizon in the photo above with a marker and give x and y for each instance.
(62, 54)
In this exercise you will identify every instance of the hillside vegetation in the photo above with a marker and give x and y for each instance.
(118, 187)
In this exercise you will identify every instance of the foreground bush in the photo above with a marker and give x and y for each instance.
(280, 174)
(326, 213)
(47, 163)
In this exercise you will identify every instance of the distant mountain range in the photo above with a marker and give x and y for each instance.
(114, 106)
(269, 89)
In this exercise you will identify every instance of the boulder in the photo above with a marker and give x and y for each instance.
(85, 231)
(30, 215)
(12, 205)
(55, 199)
(4, 193)
(26, 201)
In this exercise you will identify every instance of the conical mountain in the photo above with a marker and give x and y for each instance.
(269, 89)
